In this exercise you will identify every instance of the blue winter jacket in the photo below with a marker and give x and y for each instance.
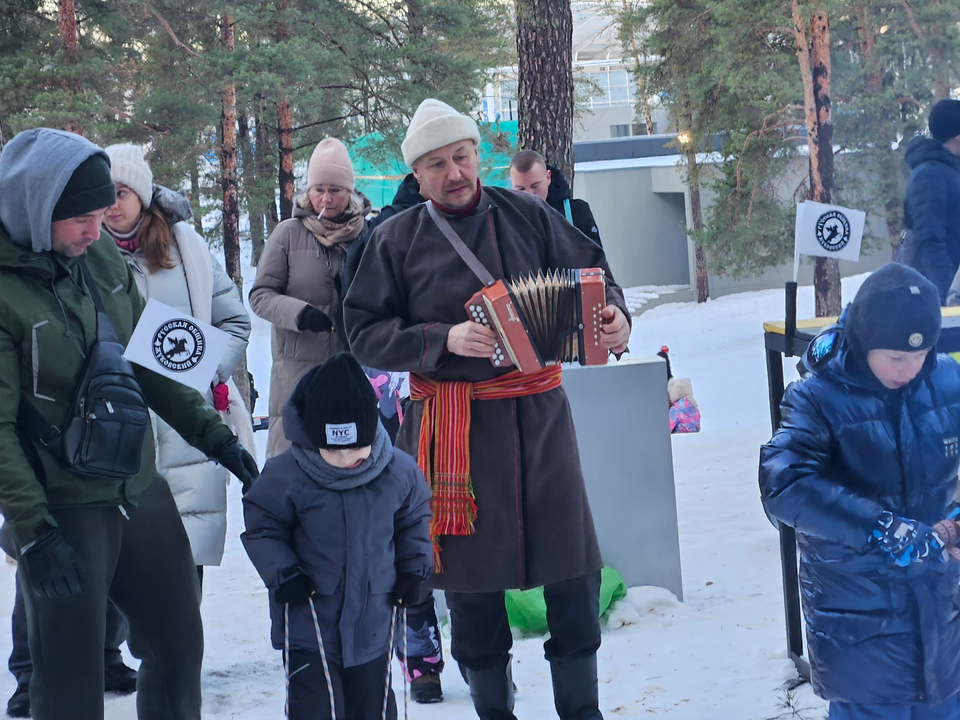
(847, 450)
(352, 544)
(932, 207)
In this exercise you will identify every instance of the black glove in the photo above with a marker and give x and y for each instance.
(54, 568)
(314, 320)
(296, 590)
(239, 462)
(407, 590)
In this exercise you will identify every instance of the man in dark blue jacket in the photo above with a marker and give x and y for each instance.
(863, 466)
(932, 203)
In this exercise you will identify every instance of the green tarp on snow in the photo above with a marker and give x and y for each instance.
(527, 610)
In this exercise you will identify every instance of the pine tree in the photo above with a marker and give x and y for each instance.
(545, 82)
(670, 42)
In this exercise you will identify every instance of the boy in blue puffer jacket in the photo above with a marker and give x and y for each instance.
(863, 465)
(341, 519)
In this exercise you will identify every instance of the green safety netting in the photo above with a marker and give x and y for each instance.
(379, 181)
(527, 610)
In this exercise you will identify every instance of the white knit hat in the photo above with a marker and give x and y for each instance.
(434, 125)
(330, 165)
(127, 166)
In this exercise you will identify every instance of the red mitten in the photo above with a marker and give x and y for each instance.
(221, 397)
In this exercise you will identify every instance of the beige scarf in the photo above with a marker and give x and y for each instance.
(331, 234)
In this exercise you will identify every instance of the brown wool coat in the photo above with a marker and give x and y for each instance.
(534, 525)
(292, 274)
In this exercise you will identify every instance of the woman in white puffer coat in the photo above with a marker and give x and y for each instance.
(173, 265)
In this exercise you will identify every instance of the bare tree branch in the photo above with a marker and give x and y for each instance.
(187, 49)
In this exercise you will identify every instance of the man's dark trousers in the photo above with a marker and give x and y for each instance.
(20, 664)
(481, 640)
(144, 564)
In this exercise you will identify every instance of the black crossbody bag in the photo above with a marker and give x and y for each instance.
(102, 438)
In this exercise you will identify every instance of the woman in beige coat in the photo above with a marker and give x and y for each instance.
(298, 286)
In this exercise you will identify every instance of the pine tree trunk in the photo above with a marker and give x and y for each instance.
(247, 170)
(285, 173)
(693, 175)
(269, 206)
(545, 88)
(254, 196)
(814, 59)
(196, 194)
(67, 22)
(826, 274)
(284, 125)
(231, 205)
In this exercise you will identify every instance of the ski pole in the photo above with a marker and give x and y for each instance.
(323, 660)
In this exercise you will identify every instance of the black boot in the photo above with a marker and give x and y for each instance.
(19, 704)
(426, 689)
(575, 690)
(119, 679)
(492, 691)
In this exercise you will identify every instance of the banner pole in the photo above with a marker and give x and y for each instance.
(790, 317)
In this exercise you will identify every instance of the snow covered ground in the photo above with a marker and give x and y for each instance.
(719, 655)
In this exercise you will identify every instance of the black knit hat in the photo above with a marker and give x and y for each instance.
(945, 120)
(340, 405)
(896, 308)
(89, 188)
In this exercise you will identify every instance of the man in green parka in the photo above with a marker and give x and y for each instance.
(82, 540)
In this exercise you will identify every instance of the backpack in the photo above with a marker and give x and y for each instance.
(102, 438)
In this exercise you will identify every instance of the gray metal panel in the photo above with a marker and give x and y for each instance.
(642, 231)
(628, 467)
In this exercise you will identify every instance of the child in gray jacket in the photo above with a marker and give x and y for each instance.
(342, 518)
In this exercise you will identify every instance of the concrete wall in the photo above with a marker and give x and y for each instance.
(642, 231)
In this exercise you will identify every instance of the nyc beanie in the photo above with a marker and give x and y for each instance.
(89, 188)
(340, 405)
(127, 166)
(434, 125)
(896, 308)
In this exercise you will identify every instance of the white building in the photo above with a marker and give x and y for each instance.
(611, 111)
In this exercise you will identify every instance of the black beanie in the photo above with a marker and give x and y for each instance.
(945, 120)
(896, 308)
(89, 188)
(340, 405)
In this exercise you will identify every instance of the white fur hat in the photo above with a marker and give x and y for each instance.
(127, 166)
(434, 125)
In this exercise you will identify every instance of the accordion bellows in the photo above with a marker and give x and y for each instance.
(544, 319)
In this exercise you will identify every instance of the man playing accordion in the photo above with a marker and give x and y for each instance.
(498, 447)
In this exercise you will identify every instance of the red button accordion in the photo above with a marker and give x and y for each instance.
(545, 319)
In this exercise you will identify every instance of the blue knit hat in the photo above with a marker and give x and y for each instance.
(896, 308)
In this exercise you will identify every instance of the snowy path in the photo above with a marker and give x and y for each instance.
(720, 655)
